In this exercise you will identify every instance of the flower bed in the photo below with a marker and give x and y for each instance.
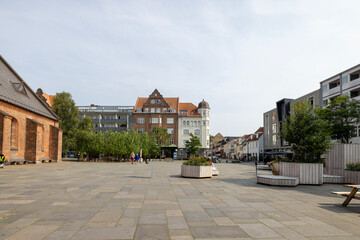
(353, 166)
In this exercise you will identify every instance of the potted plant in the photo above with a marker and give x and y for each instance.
(196, 167)
(352, 173)
(309, 137)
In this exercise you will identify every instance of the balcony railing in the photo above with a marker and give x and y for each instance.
(331, 91)
(115, 129)
(351, 84)
(112, 120)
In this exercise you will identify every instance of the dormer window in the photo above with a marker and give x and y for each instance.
(19, 87)
(139, 110)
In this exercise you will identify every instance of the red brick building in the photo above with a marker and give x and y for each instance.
(157, 111)
(29, 130)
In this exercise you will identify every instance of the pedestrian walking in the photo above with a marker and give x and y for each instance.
(137, 158)
(132, 156)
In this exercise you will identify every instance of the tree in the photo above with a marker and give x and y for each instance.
(148, 145)
(342, 114)
(193, 146)
(307, 134)
(64, 107)
(82, 133)
(161, 135)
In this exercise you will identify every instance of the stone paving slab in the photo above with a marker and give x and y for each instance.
(151, 201)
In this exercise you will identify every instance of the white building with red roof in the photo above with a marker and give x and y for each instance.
(195, 120)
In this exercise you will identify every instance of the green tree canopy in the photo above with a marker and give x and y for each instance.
(342, 114)
(193, 146)
(64, 107)
(307, 134)
(161, 135)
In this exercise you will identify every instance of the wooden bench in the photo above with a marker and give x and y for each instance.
(346, 194)
(276, 180)
(349, 195)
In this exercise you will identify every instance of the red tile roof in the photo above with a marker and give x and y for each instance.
(190, 108)
(261, 129)
(49, 99)
(173, 102)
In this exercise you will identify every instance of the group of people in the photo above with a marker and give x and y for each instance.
(134, 157)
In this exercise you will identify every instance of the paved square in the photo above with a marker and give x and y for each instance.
(151, 201)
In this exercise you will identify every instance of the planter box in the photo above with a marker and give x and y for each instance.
(352, 177)
(308, 173)
(196, 171)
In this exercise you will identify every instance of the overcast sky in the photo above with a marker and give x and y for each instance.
(240, 56)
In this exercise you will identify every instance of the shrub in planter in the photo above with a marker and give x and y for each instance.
(352, 166)
(197, 161)
(307, 134)
(196, 168)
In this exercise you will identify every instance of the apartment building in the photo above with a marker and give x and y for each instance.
(157, 111)
(180, 119)
(344, 83)
(255, 146)
(195, 120)
(272, 120)
(109, 118)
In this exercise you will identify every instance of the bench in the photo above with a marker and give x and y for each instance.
(263, 167)
(346, 194)
(333, 179)
(277, 180)
(349, 195)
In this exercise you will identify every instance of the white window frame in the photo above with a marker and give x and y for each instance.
(170, 120)
(155, 120)
(141, 120)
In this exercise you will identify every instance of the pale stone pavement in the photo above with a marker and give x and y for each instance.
(124, 201)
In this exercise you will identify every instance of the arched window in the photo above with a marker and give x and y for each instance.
(186, 132)
(184, 123)
(14, 133)
(188, 123)
(197, 132)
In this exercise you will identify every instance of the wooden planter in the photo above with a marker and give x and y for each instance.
(352, 177)
(196, 171)
(308, 173)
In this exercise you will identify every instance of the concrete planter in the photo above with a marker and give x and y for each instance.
(196, 171)
(352, 177)
(308, 173)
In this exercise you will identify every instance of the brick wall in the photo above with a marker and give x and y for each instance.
(14, 147)
(147, 126)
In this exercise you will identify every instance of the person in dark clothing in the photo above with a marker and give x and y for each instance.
(137, 157)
